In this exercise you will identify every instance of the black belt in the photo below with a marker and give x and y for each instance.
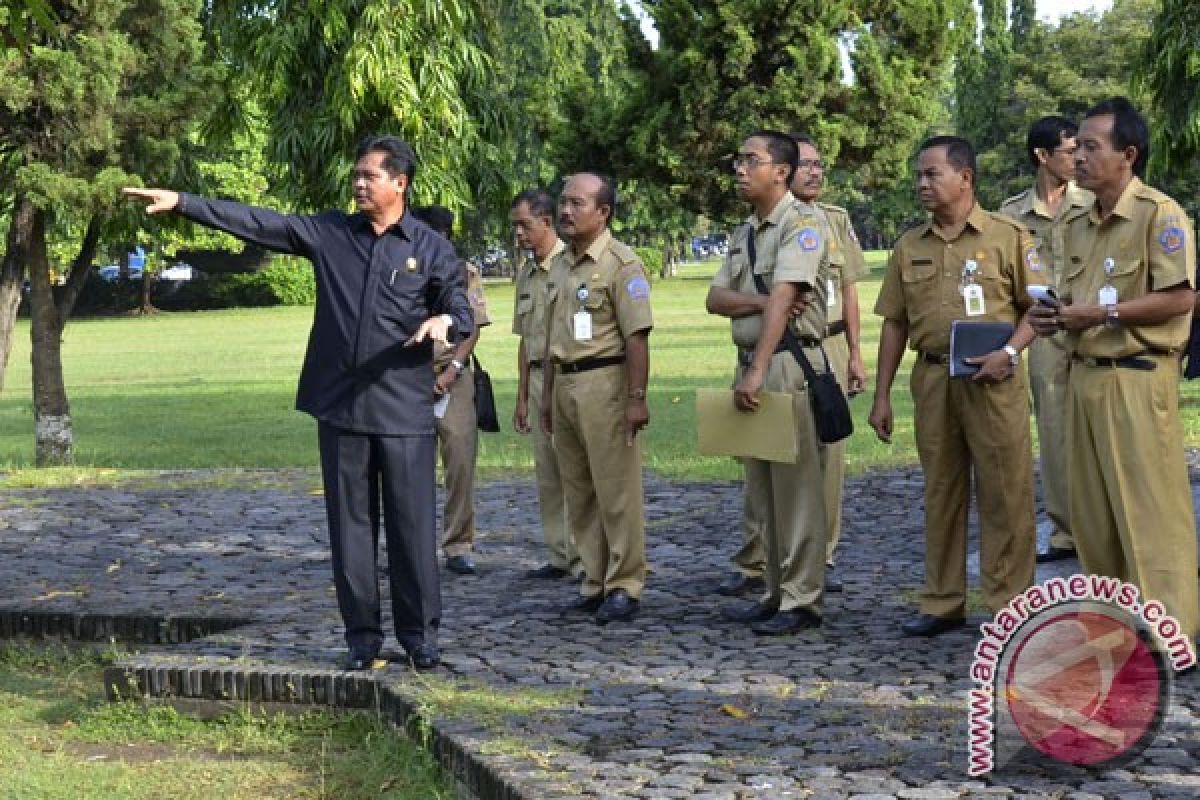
(746, 357)
(585, 364)
(1135, 361)
(834, 328)
(535, 363)
(941, 359)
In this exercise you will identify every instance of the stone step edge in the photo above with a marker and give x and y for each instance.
(125, 628)
(146, 678)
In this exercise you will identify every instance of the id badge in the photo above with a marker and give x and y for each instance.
(583, 326)
(440, 405)
(831, 300)
(1107, 296)
(973, 300)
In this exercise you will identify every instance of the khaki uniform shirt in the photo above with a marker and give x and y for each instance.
(1152, 246)
(923, 284)
(791, 244)
(1047, 229)
(533, 296)
(444, 354)
(845, 256)
(609, 282)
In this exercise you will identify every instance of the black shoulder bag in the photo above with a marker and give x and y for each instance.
(485, 400)
(831, 412)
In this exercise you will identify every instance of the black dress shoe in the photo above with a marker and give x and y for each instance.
(748, 612)
(737, 584)
(361, 658)
(786, 622)
(424, 656)
(1055, 554)
(547, 572)
(930, 625)
(461, 565)
(617, 606)
(585, 605)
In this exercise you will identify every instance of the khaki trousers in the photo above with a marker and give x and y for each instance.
(963, 426)
(458, 440)
(560, 546)
(1049, 366)
(835, 458)
(1131, 501)
(602, 480)
(785, 503)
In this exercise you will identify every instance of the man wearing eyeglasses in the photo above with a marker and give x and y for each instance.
(1042, 209)
(776, 275)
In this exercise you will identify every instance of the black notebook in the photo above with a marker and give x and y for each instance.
(970, 339)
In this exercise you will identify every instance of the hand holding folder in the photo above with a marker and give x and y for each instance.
(973, 340)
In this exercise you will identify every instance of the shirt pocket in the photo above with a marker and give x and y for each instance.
(524, 303)
(597, 298)
(918, 270)
(1127, 277)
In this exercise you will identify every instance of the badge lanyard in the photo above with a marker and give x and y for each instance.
(582, 318)
(970, 289)
(1107, 295)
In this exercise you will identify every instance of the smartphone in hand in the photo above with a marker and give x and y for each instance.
(1044, 295)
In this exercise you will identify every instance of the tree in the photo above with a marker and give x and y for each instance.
(1169, 75)
(101, 100)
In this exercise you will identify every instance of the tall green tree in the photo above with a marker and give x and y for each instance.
(102, 99)
(1169, 75)
(985, 74)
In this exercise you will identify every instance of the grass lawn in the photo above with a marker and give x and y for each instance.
(60, 740)
(215, 389)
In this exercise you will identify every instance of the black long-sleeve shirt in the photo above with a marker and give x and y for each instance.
(373, 292)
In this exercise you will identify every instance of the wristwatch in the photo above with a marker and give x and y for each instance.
(1111, 318)
(637, 394)
(449, 320)
(1014, 356)
(458, 365)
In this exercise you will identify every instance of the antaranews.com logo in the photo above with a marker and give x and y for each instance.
(1079, 669)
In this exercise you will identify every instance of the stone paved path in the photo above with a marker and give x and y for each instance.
(677, 704)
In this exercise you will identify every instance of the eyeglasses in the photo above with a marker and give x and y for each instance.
(813, 164)
(749, 161)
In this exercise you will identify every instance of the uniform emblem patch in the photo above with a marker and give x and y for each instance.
(1032, 260)
(1171, 239)
(808, 239)
(638, 288)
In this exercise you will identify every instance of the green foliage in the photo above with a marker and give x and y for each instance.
(1169, 75)
(652, 260)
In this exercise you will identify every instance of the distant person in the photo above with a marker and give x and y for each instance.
(532, 217)
(594, 400)
(458, 426)
(964, 264)
(773, 284)
(387, 288)
(1127, 300)
(1043, 209)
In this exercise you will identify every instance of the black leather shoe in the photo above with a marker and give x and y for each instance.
(737, 584)
(930, 625)
(585, 605)
(547, 572)
(1055, 554)
(617, 606)
(424, 656)
(461, 565)
(361, 658)
(748, 612)
(786, 622)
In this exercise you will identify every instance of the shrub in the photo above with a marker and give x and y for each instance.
(652, 259)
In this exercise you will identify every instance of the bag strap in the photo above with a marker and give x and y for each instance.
(789, 337)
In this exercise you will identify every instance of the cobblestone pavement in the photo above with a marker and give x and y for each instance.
(677, 704)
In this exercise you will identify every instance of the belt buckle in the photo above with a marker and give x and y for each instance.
(1091, 361)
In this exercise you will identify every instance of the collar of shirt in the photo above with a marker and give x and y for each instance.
(595, 249)
(1124, 206)
(544, 264)
(776, 215)
(404, 227)
(977, 219)
(1073, 197)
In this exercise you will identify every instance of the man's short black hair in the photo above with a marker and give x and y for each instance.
(440, 218)
(606, 195)
(540, 203)
(399, 157)
(1129, 129)
(1046, 134)
(800, 137)
(782, 148)
(959, 152)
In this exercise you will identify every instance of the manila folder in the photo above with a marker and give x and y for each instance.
(768, 434)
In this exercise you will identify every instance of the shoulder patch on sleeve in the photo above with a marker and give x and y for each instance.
(808, 239)
(1172, 239)
(638, 288)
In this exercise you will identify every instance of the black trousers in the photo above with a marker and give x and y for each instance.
(364, 474)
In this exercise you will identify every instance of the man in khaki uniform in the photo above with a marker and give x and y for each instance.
(532, 217)
(1042, 209)
(965, 263)
(457, 427)
(594, 399)
(784, 245)
(1126, 306)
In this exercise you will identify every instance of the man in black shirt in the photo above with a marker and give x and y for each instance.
(387, 287)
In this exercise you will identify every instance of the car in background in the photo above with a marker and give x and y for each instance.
(112, 272)
(178, 272)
